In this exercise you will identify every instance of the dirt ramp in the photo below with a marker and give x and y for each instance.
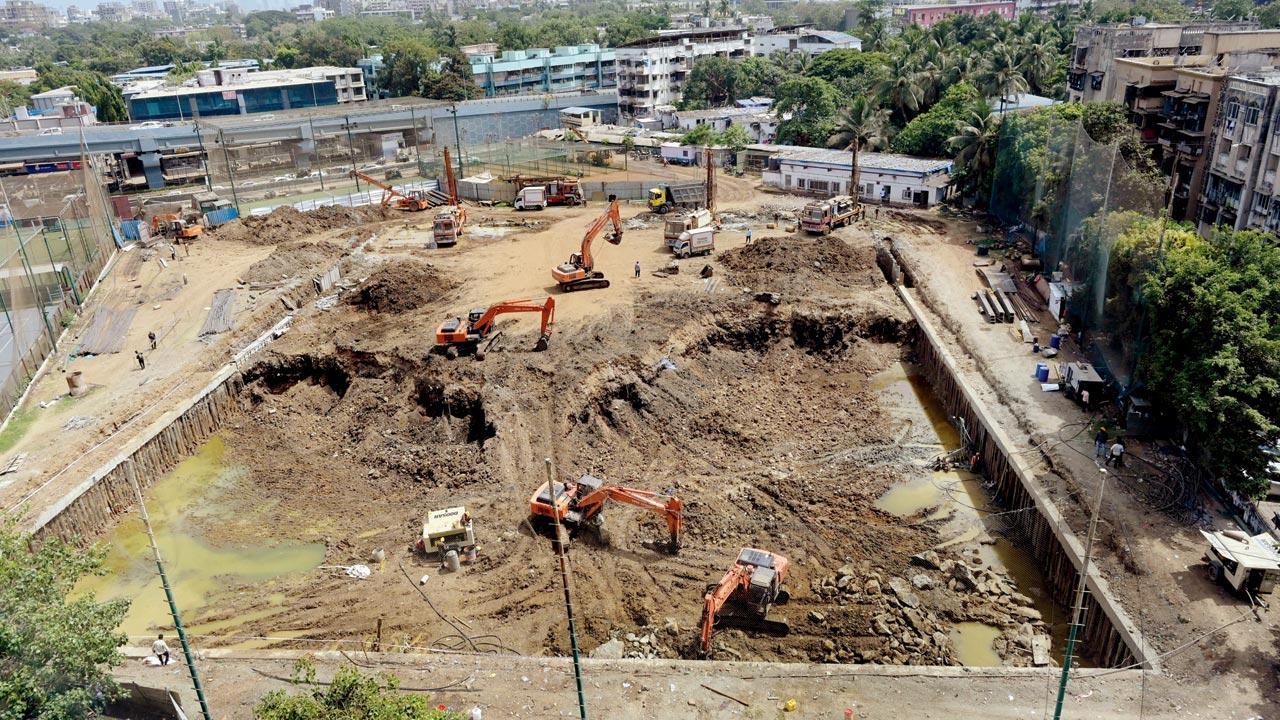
(286, 223)
(401, 286)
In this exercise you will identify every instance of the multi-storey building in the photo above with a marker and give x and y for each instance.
(235, 91)
(26, 15)
(1097, 47)
(930, 15)
(652, 71)
(565, 68)
(801, 39)
(1243, 155)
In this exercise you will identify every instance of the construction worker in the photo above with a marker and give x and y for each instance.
(161, 649)
(152, 337)
(748, 236)
(142, 362)
(637, 268)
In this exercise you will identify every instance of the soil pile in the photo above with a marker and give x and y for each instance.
(400, 287)
(286, 223)
(800, 264)
(292, 260)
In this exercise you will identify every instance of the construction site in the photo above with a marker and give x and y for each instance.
(761, 429)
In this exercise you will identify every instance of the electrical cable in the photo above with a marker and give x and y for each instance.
(461, 633)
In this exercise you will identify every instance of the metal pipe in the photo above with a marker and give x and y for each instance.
(560, 541)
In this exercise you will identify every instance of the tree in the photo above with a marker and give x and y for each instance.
(901, 92)
(261, 23)
(1002, 77)
(55, 652)
(13, 95)
(1214, 362)
(407, 64)
(1232, 9)
(92, 87)
(1269, 14)
(351, 695)
(975, 148)
(812, 104)
(713, 82)
(758, 76)
(700, 135)
(734, 137)
(453, 79)
(929, 133)
(861, 121)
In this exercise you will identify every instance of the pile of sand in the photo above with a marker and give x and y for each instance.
(794, 253)
(285, 223)
(401, 286)
(291, 260)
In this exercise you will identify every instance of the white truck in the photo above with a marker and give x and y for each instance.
(677, 154)
(674, 226)
(699, 241)
(533, 197)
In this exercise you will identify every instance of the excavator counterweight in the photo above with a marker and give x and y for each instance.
(581, 504)
(743, 596)
(458, 333)
(579, 272)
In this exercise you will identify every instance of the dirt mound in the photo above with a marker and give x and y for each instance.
(286, 223)
(292, 260)
(400, 287)
(800, 264)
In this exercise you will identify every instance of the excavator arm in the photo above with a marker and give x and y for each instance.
(388, 192)
(546, 307)
(715, 598)
(612, 215)
(451, 183)
(669, 506)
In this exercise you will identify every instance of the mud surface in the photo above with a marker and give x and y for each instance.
(291, 260)
(761, 417)
(285, 224)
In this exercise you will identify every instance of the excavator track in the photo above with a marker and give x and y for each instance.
(748, 622)
(594, 283)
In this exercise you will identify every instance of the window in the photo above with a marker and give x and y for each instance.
(1251, 114)
(906, 193)
(869, 189)
(1233, 110)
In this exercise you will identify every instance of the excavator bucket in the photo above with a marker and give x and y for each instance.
(543, 342)
(614, 238)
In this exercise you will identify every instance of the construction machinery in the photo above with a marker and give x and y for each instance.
(744, 595)
(665, 198)
(556, 189)
(414, 201)
(455, 334)
(448, 535)
(679, 224)
(174, 225)
(579, 272)
(581, 504)
(823, 216)
(1248, 564)
(450, 219)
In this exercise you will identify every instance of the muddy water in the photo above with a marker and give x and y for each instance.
(958, 499)
(198, 572)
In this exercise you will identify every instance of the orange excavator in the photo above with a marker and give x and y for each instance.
(415, 201)
(455, 334)
(581, 503)
(580, 273)
(743, 596)
(450, 219)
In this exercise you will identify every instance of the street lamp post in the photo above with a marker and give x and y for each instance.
(351, 149)
(457, 140)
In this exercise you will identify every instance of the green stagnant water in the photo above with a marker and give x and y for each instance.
(958, 498)
(198, 570)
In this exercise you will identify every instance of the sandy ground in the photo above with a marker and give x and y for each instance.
(1151, 550)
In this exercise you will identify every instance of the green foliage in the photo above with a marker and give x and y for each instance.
(734, 138)
(350, 696)
(55, 653)
(1232, 9)
(851, 69)
(407, 62)
(92, 87)
(14, 95)
(1215, 348)
(758, 76)
(1269, 14)
(1106, 11)
(261, 23)
(812, 103)
(929, 134)
(700, 135)
(713, 82)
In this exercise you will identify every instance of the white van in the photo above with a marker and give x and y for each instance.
(533, 197)
(699, 241)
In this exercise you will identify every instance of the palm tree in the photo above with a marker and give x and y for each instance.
(795, 63)
(1037, 62)
(876, 35)
(1002, 76)
(859, 125)
(975, 147)
(900, 91)
(725, 6)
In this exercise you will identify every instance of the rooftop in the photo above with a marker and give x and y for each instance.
(722, 112)
(1257, 552)
(272, 78)
(866, 160)
(671, 39)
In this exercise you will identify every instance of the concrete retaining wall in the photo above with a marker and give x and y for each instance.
(1109, 636)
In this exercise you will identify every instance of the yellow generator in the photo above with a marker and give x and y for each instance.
(447, 534)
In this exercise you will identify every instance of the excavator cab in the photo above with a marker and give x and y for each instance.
(581, 504)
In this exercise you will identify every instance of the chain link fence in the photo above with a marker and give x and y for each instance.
(1073, 198)
(56, 236)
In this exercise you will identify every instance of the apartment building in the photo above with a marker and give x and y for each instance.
(560, 69)
(1243, 155)
(761, 124)
(801, 39)
(651, 71)
(28, 16)
(1173, 101)
(237, 91)
(1090, 75)
(929, 15)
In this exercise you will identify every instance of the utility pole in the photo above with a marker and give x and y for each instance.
(1077, 613)
(226, 157)
(315, 150)
(173, 606)
(351, 150)
(854, 191)
(204, 157)
(457, 140)
(561, 540)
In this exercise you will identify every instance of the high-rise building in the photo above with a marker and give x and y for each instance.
(26, 15)
(1243, 156)
(572, 67)
(652, 71)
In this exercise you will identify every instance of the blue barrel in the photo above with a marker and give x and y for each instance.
(1042, 372)
(1055, 341)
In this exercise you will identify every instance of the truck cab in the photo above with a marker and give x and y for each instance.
(698, 241)
(446, 227)
(533, 197)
